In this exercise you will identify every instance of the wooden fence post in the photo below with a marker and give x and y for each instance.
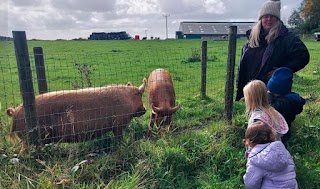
(204, 69)
(40, 69)
(229, 87)
(26, 86)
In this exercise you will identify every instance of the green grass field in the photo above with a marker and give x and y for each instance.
(200, 151)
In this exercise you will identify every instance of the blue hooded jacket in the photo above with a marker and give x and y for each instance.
(288, 105)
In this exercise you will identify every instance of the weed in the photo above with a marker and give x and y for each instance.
(85, 72)
(195, 56)
(213, 58)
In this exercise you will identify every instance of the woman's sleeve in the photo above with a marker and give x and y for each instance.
(297, 53)
(253, 177)
(239, 78)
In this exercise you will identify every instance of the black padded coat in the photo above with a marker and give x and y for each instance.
(287, 50)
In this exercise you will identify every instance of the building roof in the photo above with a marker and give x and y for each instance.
(211, 28)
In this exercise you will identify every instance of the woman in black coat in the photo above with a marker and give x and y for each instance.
(270, 45)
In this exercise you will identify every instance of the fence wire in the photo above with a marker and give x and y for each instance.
(79, 71)
(76, 79)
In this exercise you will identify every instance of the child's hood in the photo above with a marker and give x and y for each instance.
(272, 156)
(282, 127)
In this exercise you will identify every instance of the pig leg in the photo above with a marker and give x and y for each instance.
(151, 124)
(118, 125)
(152, 119)
(117, 132)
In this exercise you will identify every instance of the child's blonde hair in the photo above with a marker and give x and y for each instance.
(256, 97)
(260, 133)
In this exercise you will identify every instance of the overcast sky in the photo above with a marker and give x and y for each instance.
(68, 19)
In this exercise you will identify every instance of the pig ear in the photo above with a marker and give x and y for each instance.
(141, 88)
(129, 84)
(10, 111)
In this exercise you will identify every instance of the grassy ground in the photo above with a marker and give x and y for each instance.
(200, 151)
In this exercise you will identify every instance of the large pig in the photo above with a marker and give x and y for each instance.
(84, 114)
(161, 97)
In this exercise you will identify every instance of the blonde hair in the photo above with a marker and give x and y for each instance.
(260, 133)
(255, 33)
(256, 97)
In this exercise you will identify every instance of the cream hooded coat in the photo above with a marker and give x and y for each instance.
(270, 166)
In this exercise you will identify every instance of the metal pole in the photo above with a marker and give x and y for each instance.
(230, 74)
(166, 16)
(26, 86)
(40, 69)
(204, 69)
(146, 32)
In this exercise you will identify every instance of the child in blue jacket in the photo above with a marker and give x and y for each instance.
(286, 102)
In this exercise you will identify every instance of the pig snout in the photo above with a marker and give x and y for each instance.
(141, 111)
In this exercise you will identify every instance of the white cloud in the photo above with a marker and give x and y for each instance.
(68, 19)
(26, 3)
(180, 6)
(214, 6)
(137, 7)
(4, 15)
(84, 5)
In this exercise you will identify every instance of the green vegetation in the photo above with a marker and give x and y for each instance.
(305, 19)
(200, 150)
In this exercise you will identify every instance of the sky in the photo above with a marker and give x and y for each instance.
(69, 19)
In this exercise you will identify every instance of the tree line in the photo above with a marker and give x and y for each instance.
(306, 18)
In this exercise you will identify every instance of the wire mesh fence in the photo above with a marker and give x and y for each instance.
(74, 70)
(84, 76)
(78, 71)
(77, 74)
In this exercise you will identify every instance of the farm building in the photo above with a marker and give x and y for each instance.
(317, 36)
(211, 30)
(109, 36)
(3, 38)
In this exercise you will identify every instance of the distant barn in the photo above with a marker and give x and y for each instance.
(109, 36)
(210, 30)
(3, 38)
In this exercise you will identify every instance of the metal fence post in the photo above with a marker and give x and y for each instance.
(229, 87)
(204, 69)
(40, 69)
(26, 86)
